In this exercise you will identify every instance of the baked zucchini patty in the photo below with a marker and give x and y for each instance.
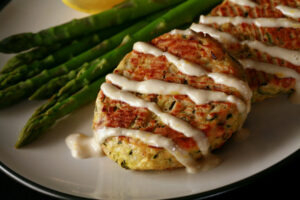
(218, 120)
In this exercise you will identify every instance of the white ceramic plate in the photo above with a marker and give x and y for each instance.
(274, 126)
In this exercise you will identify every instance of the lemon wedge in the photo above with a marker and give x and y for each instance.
(91, 6)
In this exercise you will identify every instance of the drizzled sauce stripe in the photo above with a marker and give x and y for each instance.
(193, 69)
(175, 123)
(274, 51)
(276, 70)
(152, 86)
(288, 11)
(260, 22)
(244, 3)
(285, 10)
(182, 32)
(291, 56)
(222, 37)
(183, 66)
(149, 138)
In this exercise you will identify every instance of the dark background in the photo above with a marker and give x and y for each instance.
(279, 181)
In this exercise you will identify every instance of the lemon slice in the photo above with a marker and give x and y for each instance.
(91, 6)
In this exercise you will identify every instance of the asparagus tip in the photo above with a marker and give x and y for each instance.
(16, 43)
(18, 144)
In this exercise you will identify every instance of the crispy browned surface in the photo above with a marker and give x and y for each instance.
(218, 120)
(283, 37)
(263, 85)
(266, 85)
(265, 9)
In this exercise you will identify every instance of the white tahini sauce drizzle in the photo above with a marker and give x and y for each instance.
(82, 146)
(291, 56)
(231, 81)
(274, 51)
(285, 10)
(192, 69)
(149, 138)
(184, 66)
(152, 86)
(175, 123)
(289, 11)
(260, 22)
(244, 3)
(181, 32)
(277, 70)
(218, 35)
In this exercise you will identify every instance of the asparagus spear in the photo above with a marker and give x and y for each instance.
(37, 124)
(126, 11)
(39, 121)
(50, 88)
(3, 77)
(76, 47)
(187, 12)
(29, 57)
(24, 89)
(50, 103)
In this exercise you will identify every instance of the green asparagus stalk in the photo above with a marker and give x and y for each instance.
(76, 47)
(50, 88)
(124, 12)
(38, 124)
(179, 16)
(24, 89)
(28, 57)
(51, 102)
(39, 121)
(3, 77)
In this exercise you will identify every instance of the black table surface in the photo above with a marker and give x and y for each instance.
(279, 181)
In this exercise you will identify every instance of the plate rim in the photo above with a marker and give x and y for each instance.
(203, 195)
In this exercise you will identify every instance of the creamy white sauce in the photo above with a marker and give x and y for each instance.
(244, 3)
(285, 10)
(218, 35)
(82, 146)
(291, 56)
(260, 22)
(175, 123)
(281, 72)
(152, 86)
(149, 138)
(192, 69)
(184, 66)
(289, 11)
(233, 82)
(181, 32)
